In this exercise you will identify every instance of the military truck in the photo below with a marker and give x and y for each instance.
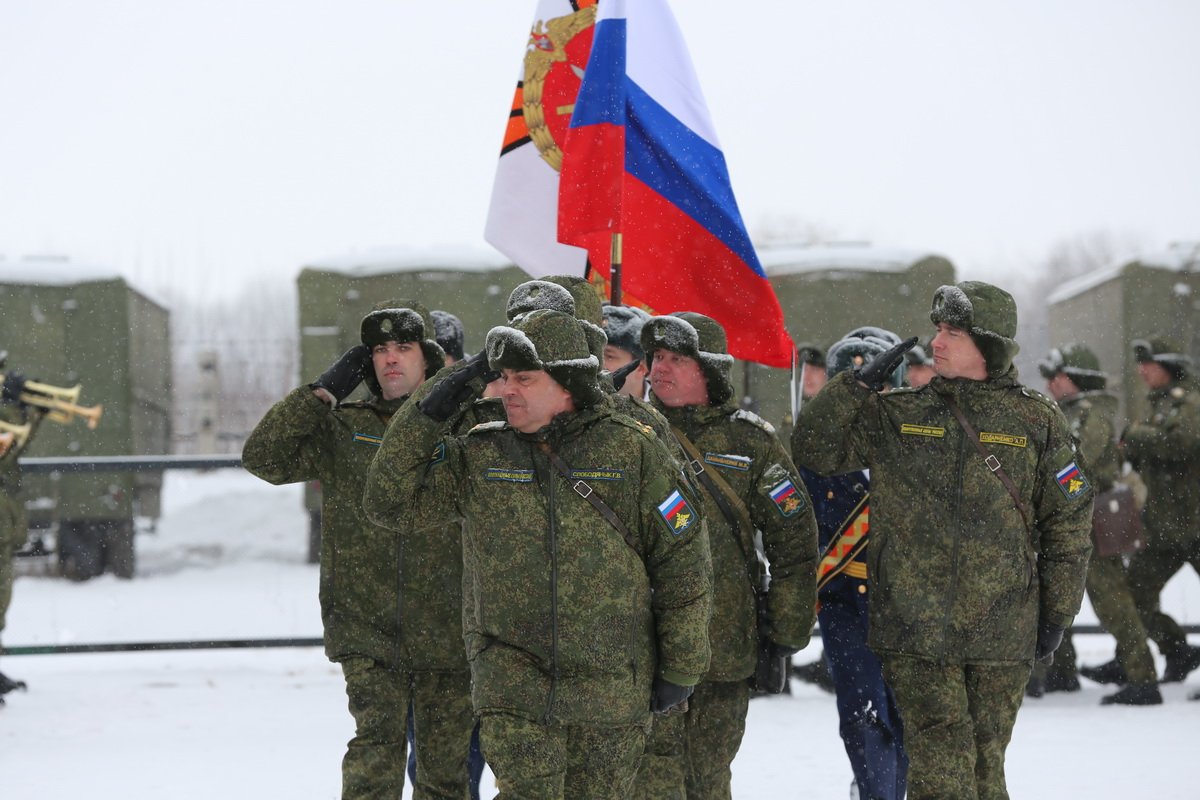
(336, 293)
(827, 290)
(1156, 293)
(67, 324)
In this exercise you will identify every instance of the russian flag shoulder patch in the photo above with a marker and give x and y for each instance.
(676, 513)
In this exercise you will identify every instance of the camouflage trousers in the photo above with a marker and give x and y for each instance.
(697, 747)
(1108, 590)
(958, 720)
(374, 764)
(1148, 573)
(532, 761)
(8, 546)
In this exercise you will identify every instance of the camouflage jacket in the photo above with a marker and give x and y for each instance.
(955, 575)
(566, 621)
(12, 507)
(1090, 419)
(1164, 447)
(389, 596)
(744, 451)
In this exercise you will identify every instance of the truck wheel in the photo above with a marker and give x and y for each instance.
(80, 550)
(118, 544)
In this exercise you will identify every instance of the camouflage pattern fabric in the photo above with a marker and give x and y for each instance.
(1164, 447)
(394, 598)
(958, 720)
(714, 726)
(1089, 416)
(13, 524)
(567, 624)
(955, 576)
(533, 761)
(443, 722)
(662, 771)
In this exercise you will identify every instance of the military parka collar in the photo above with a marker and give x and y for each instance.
(690, 417)
(961, 388)
(387, 407)
(568, 425)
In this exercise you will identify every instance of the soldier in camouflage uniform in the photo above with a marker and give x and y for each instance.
(967, 587)
(12, 509)
(691, 386)
(1076, 382)
(579, 622)
(390, 603)
(1164, 447)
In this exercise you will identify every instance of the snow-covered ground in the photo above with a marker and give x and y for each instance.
(227, 562)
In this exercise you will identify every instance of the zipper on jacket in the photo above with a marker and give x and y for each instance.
(952, 589)
(553, 544)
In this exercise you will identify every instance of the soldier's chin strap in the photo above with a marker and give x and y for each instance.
(992, 462)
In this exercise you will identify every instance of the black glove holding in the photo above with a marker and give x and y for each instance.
(770, 673)
(345, 374)
(618, 377)
(667, 697)
(455, 389)
(1049, 637)
(875, 373)
(14, 385)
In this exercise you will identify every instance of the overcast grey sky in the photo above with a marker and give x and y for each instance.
(204, 141)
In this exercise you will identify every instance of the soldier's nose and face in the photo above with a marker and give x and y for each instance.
(532, 398)
(1153, 374)
(955, 354)
(399, 368)
(677, 380)
(617, 357)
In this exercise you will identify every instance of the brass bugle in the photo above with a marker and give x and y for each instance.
(16, 434)
(61, 404)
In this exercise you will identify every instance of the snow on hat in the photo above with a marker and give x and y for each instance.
(401, 321)
(587, 299)
(696, 336)
(858, 347)
(532, 295)
(623, 325)
(552, 341)
(448, 331)
(987, 313)
(1165, 351)
(1079, 364)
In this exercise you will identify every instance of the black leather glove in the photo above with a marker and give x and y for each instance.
(770, 672)
(780, 651)
(667, 697)
(875, 373)
(618, 377)
(455, 389)
(345, 374)
(14, 385)
(1049, 637)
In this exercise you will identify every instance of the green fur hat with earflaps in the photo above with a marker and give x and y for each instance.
(696, 336)
(1165, 351)
(987, 313)
(552, 341)
(401, 320)
(1078, 363)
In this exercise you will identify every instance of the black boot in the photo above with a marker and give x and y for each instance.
(1036, 687)
(1110, 672)
(1134, 696)
(1061, 682)
(7, 685)
(1180, 664)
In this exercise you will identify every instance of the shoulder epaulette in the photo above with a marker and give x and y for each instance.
(630, 422)
(1034, 394)
(753, 419)
(905, 390)
(354, 404)
(484, 427)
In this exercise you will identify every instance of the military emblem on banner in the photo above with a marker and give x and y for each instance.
(786, 498)
(676, 512)
(1071, 481)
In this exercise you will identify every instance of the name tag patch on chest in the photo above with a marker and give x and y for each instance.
(786, 498)
(728, 461)
(598, 474)
(676, 512)
(922, 430)
(1071, 481)
(509, 475)
(1003, 438)
(367, 438)
(439, 453)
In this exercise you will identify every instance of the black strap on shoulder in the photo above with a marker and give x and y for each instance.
(992, 462)
(584, 490)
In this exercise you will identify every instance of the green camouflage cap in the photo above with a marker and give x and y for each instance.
(401, 320)
(809, 353)
(587, 299)
(1165, 351)
(551, 341)
(1078, 363)
(987, 313)
(696, 336)
(532, 295)
(858, 347)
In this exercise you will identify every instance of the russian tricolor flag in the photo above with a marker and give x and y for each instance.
(642, 159)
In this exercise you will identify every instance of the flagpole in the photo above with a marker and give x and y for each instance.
(614, 273)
